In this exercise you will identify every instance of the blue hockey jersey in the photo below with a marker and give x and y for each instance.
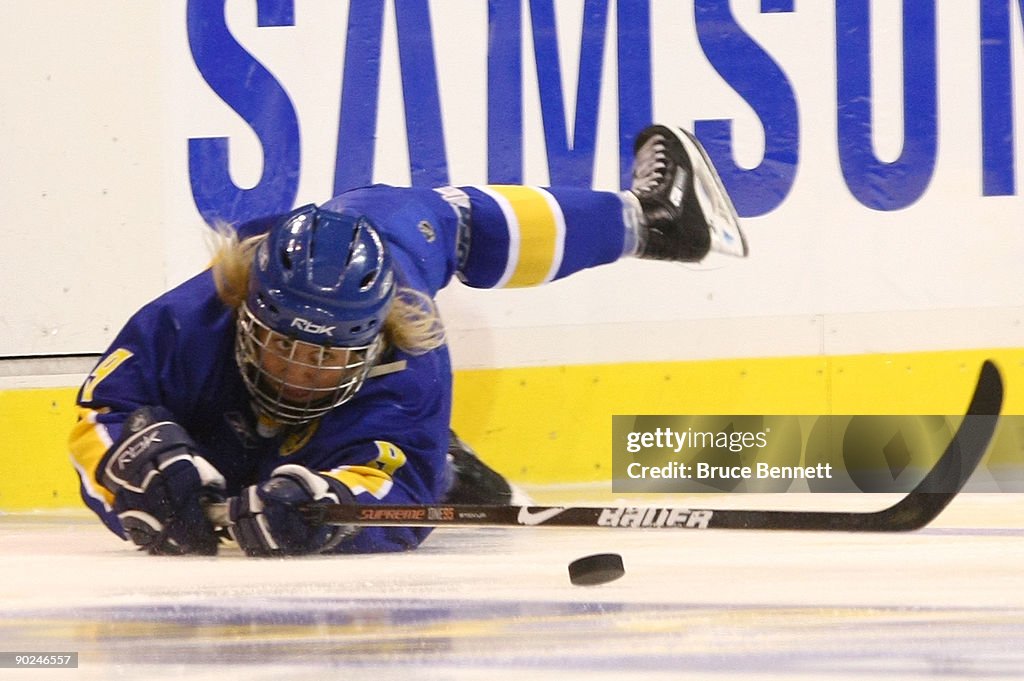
(389, 443)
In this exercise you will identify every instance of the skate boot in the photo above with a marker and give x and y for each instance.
(477, 483)
(685, 211)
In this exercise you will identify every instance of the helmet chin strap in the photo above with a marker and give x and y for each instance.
(389, 368)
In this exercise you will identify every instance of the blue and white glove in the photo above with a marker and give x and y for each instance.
(267, 520)
(160, 485)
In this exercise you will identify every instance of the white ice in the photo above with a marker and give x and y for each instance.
(946, 601)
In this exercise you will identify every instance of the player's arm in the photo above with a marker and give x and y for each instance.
(149, 483)
(267, 519)
(121, 382)
(139, 469)
(160, 484)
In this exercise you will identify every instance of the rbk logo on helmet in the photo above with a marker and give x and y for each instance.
(323, 276)
(312, 327)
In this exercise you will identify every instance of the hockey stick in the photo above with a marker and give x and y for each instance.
(918, 508)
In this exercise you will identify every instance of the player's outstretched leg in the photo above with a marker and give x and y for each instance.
(685, 210)
(477, 483)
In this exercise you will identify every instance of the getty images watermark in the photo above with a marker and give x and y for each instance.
(762, 453)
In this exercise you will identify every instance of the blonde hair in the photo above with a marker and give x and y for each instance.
(413, 323)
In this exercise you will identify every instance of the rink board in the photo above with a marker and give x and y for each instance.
(552, 425)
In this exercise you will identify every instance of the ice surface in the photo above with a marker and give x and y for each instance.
(947, 601)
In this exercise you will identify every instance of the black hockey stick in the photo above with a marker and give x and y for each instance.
(921, 505)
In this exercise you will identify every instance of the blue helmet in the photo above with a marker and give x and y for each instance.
(324, 278)
(311, 327)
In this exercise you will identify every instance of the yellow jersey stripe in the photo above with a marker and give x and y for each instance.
(536, 228)
(362, 480)
(88, 442)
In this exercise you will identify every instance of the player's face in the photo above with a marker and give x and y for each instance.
(304, 373)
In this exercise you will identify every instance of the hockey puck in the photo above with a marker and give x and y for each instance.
(597, 569)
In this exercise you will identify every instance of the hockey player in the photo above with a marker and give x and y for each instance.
(308, 364)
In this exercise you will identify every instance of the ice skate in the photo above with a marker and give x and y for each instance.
(686, 211)
(476, 482)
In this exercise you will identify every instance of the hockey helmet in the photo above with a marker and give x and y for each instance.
(311, 326)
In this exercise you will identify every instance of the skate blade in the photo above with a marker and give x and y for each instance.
(726, 235)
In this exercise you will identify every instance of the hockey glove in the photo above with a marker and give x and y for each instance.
(160, 485)
(267, 519)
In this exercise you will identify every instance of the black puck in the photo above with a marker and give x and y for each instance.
(597, 569)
